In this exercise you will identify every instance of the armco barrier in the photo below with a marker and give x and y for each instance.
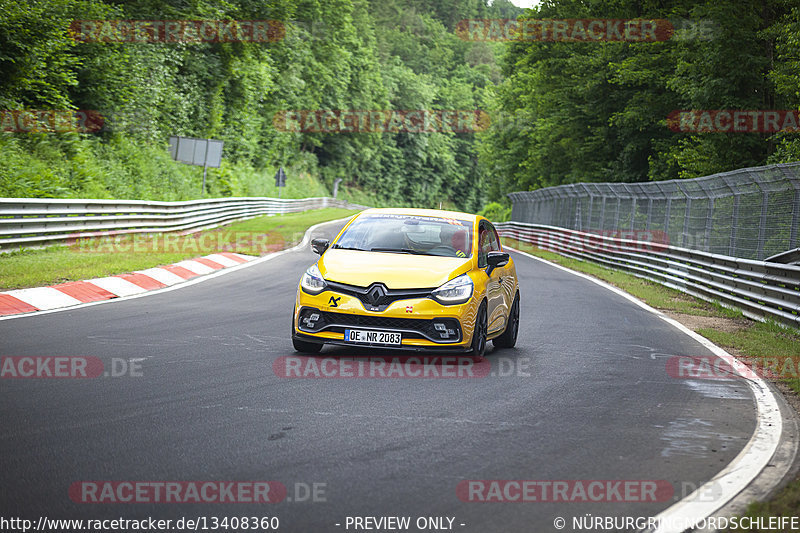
(42, 221)
(760, 289)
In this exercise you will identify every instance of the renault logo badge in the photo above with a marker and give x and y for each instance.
(376, 293)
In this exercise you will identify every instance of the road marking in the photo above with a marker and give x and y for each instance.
(85, 292)
(164, 276)
(222, 260)
(753, 458)
(118, 286)
(44, 297)
(10, 305)
(195, 266)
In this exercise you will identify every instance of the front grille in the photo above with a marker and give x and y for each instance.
(411, 327)
(377, 297)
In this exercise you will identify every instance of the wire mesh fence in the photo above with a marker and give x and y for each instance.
(751, 213)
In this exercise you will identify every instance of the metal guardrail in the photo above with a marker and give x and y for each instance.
(760, 289)
(42, 221)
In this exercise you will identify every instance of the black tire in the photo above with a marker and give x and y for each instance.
(305, 346)
(509, 337)
(479, 334)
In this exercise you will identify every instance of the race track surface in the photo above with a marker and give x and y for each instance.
(585, 395)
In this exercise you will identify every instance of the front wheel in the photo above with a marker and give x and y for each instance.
(509, 337)
(479, 335)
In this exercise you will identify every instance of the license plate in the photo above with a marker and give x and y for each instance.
(372, 337)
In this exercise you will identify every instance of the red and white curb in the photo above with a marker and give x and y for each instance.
(94, 290)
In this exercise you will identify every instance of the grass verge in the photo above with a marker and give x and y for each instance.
(94, 258)
(750, 341)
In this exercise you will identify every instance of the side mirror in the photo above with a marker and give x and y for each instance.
(496, 259)
(320, 245)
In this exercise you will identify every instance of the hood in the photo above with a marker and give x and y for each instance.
(396, 271)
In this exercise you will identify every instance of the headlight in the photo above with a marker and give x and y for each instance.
(312, 281)
(456, 291)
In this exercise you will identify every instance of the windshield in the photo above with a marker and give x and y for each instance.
(408, 234)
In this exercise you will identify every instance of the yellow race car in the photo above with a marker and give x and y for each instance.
(413, 279)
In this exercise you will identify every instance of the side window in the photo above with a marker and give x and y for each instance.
(485, 237)
(494, 245)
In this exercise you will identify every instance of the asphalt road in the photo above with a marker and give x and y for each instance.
(584, 396)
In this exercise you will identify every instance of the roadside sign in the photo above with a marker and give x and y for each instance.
(280, 178)
(193, 151)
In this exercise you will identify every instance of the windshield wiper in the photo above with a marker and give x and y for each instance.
(398, 250)
(338, 247)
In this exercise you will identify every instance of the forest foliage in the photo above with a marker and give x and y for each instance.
(569, 112)
(560, 112)
(334, 55)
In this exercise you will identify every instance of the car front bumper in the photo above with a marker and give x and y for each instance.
(424, 323)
